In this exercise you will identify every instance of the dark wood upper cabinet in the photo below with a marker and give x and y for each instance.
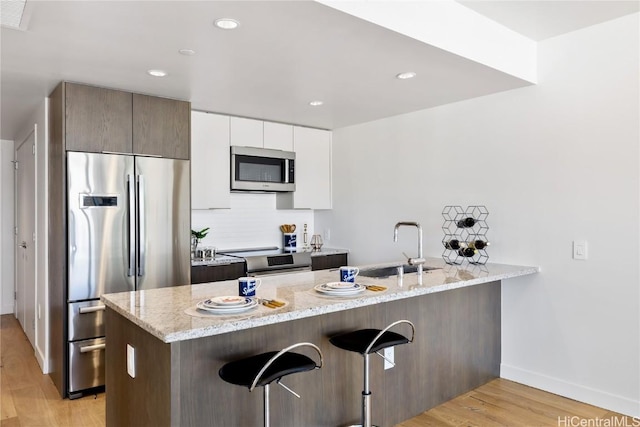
(97, 119)
(161, 127)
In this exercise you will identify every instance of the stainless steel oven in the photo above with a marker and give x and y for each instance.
(272, 260)
(261, 169)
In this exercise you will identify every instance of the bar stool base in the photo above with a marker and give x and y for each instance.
(359, 425)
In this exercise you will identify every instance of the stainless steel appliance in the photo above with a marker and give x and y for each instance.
(128, 229)
(272, 260)
(261, 169)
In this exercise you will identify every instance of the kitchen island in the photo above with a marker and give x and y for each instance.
(179, 351)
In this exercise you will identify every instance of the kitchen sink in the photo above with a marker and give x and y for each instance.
(391, 271)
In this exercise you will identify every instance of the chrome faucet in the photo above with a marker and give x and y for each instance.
(412, 261)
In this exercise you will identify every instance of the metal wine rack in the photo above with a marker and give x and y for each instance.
(454, 229)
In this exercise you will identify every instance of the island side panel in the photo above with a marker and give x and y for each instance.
(146, 399)
(457, 348)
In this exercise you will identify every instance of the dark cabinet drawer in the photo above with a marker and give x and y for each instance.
(325, 262)
(217, 273)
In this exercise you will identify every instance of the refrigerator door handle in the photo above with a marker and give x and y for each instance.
(142, 235)
(131, 220)
(92, 309)
(88, 348)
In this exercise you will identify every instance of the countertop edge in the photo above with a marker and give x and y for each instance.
(228, 259)
(277, 317)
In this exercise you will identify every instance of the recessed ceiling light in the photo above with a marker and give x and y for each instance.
(226, 23)
(407, 75)
(316, 103)
(157, 73)
(11, 13)
(187, 52)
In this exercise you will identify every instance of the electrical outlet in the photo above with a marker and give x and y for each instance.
(389, 355)
(327, 234)
(131, 361)
(580, 249)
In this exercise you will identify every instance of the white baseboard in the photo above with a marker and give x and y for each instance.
(7, 308)
(42, 361)
(573, 391)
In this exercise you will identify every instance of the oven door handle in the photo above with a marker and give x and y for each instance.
(262, 273)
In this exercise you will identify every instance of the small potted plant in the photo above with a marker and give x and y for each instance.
(196, 237)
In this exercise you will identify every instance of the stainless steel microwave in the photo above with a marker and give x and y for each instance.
(262, 169)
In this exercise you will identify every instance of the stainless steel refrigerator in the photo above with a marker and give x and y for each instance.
(128, 229)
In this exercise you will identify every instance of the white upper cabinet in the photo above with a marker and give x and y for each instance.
(313, 171)
(246, 132)
(278, 136)
(256, 133)
(209, 161)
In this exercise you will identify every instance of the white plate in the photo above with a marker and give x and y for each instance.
(248, 302)
(351, 288)
(227, 310)
(324, 289)
(341, 285)
(227, 300)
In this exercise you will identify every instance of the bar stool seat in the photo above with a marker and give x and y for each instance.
(365, 342)
(359, 341)
(262, 369)
(243, 372)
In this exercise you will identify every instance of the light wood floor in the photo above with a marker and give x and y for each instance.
(29, 398)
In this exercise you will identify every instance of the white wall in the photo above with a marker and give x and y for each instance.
(39, 121)
(253, 221)
(554, 162)
(6, 227)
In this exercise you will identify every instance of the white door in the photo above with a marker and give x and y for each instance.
(25, 239)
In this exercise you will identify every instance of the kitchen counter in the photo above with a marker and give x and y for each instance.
(227, 259)
(329, 251)
(218, 260)
(457, 347)
(161, 312)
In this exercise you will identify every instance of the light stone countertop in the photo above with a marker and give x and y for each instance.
(329, 251)
(218, 260)
(162, 312)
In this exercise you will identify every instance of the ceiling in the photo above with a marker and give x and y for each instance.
(539, 20)
(284, 55)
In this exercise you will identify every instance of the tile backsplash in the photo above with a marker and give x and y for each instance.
(253, 221)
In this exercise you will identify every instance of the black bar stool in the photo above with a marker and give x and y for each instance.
(365, 342)
(262, 369)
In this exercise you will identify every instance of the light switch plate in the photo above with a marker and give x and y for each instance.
(131, 361)
(390, 355)
(580, 249)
